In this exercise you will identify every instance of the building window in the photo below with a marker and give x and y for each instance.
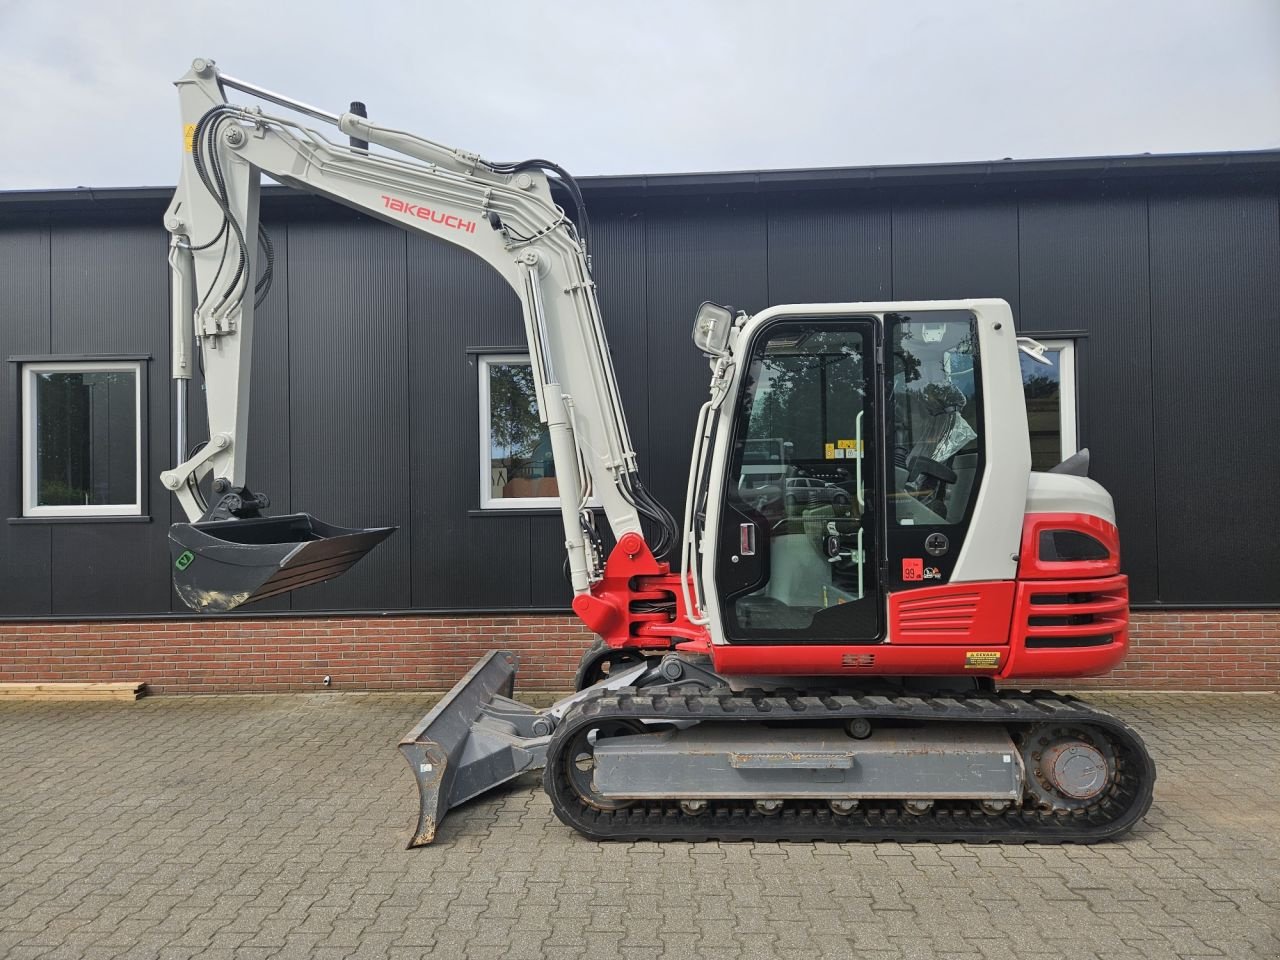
(82, 439)
(516, 466)
(1051, 403)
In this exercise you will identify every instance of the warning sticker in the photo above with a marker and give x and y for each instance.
(189, 136)
(981, 659)
(842, 450)
(912, 568)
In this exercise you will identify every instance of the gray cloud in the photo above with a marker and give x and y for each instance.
(606, 87)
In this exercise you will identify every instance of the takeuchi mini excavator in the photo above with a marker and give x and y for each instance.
(812, 652)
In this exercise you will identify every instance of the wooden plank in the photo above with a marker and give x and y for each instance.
(72, 691)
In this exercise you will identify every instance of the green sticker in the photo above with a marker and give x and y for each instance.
(184, 560)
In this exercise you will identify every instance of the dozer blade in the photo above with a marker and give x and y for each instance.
(473, 740)
(220, 564)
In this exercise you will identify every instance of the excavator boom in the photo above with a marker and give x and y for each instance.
(222, 266)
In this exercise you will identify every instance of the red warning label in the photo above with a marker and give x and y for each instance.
(912, 569)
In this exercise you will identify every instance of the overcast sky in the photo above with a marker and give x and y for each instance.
(649, 87)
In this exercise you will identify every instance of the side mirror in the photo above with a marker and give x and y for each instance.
(711, 328)
(1035, 350)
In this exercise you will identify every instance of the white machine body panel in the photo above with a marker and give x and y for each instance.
(1064, 493)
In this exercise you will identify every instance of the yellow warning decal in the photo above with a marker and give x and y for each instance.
(981, 659)
(189, 136)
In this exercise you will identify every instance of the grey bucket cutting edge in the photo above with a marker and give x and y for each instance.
(219, 565)
(474, 739)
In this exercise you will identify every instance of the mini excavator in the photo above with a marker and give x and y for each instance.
(813, 651)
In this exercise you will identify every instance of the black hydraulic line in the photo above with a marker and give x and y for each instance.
(657, 512)
(633, 491)
(565, 179)
(263, 286)
(214, 180)
(197, 157)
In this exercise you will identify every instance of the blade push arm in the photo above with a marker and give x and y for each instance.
(502, 213)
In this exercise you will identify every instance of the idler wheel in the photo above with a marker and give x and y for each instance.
(580, 762)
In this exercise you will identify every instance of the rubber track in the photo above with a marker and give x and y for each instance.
(1123, 806)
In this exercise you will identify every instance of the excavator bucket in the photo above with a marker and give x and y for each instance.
(220, 564)
(474, 739)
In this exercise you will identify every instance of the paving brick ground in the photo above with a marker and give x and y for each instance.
(248, 827)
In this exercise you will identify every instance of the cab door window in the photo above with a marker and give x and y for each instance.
(936, 419)
(796, 553)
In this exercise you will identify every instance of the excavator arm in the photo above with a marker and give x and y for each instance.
(222, 265)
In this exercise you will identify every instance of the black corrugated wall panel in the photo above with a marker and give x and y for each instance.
(349, 415)
(947, 249)
(24, 330)
(1215, 280)
(548, 585)
(620, 269)
(696, 250)
(365, 386)
(110, 295)
(1084, 266)
(829, 249)
(457, 302)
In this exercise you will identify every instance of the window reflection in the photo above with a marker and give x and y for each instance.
(82, 451)
(936, 420)
(799, 494)
(518, 463)
(1042, 386)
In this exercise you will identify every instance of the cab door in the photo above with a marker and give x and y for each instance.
(798, 533)
(936, 451)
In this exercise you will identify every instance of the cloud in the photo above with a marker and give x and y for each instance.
(607, 87)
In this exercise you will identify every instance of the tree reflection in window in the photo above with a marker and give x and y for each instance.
(936, 419)
(520, 459)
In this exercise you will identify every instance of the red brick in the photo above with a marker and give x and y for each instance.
(1220, 650)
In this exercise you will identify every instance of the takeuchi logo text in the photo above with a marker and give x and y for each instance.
(423, 212)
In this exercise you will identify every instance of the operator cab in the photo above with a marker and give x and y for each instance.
(854, 457)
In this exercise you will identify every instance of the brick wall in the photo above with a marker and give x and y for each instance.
(1199, 650)
(1223, 650)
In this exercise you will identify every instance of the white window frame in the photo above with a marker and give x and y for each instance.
(488, 502)
(1067, 429)
(30, 466)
